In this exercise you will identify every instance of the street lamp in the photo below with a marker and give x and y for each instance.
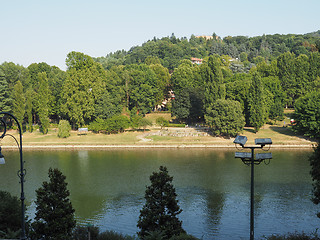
(22, 171)
(249, 159)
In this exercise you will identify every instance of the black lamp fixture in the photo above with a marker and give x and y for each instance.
(248, 158)
(22, 171)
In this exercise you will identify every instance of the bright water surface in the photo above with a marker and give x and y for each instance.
(107, 188)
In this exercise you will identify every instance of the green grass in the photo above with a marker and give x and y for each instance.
(280, 136)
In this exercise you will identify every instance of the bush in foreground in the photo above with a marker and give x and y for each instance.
(294, 236)
(82, 233)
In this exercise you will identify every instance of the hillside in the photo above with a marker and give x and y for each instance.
(171, 50)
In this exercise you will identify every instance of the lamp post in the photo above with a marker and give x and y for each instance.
(249, 159)
(22, 171)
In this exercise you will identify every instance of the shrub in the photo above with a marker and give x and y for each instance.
(111, 235)
(64, 129)
(98, 125)
(117, 124)
(82, 233)
(161, 121)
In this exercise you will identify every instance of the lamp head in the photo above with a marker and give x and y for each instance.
(240, 140)
(263, 156)
(243, 155)
(263, 141)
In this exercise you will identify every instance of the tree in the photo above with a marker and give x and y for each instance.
(54, 212)
(5, 101)
(161, 208)
(64, 129)
(117, 123)
(10, 214)
(29, 107)
(42, 102)
(18, 105)
(255, 103)
(83, 87)
(108, 106)
(213, 79)
(225, 117)
(315, 174)
(181, 105)
(162, 122)
(307, 115)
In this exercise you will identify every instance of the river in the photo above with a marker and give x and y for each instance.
(107, 188)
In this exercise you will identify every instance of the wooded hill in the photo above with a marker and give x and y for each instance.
(170, 50)
(241, 81)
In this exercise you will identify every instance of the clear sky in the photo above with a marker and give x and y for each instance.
(36, 31)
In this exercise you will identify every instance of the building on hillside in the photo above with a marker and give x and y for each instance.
(196, 61)
(208, 37)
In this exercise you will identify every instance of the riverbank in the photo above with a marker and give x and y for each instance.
(191, 137)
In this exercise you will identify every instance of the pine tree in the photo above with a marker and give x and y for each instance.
(159, 214)
(54, 212)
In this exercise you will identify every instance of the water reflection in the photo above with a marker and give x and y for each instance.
(107, 188)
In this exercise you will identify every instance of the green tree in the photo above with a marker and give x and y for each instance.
(256, 108)
(307, 115)
(225, 117)
(315, 174)
(10, 214)
(286, 66)
(14, 73)
(29, 107)
(18, 105)
(162, 122)
(64, 129)
(213, 79)
(42, 102)
(117, 123)
(162, 82)
(84, 85)
(54, 212)
(5, 100)
(181, 105)
(161, 208)
(108, 106)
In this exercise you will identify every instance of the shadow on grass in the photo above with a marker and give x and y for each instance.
(288, 132)
(284, 130)
(251, 130)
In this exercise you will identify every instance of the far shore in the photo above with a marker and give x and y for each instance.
(160, 146)
(156, 138)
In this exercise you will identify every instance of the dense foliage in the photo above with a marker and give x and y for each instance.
(64, 129)
(54, 212)
(10, 215)
(307, 115)
(159, 75)
(159, 214)
(225, 117)
(315, 174)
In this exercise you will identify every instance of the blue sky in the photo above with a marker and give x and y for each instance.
(46, 31)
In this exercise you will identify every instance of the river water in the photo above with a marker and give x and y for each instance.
(107, 188)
